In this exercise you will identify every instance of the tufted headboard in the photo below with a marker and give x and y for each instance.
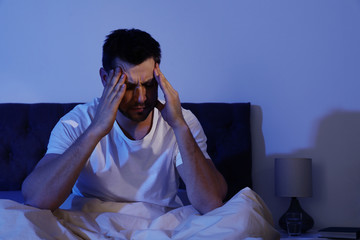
(25, 130)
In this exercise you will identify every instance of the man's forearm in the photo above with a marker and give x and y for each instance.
(206, 187)
(51, 182)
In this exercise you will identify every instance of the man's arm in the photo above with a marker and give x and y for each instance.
(51, 182)
(206, 187)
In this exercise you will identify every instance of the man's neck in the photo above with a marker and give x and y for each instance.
(132, 129)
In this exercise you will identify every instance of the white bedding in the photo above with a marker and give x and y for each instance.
(245, 216)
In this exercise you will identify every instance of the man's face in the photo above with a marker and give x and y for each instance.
(141, 89)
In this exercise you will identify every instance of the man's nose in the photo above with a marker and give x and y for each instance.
(140, 94)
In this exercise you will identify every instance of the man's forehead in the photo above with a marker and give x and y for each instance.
(142, 72)
(136, 77)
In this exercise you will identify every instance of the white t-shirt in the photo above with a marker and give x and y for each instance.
(120, 169)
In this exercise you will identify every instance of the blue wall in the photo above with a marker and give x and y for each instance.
(297, 62)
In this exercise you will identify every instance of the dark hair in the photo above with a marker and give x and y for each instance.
(130, 45)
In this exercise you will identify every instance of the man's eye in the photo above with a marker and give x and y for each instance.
(150, 84)
(130, 86)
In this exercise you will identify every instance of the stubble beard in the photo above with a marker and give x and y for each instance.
(140, 117)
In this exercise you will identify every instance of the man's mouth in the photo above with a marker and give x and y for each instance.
(139, 108)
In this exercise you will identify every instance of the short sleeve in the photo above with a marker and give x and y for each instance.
(62, 136)
(69, 128)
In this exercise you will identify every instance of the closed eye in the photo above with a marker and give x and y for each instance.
(130, 86)
(150, 83)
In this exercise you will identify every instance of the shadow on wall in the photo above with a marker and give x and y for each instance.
(336, 173)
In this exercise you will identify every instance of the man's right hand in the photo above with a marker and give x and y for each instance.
(54, 176)
(114, 91)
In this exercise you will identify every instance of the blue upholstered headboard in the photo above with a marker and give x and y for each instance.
(227, 127)
(25, 130)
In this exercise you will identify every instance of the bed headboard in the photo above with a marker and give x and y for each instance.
(25, 130)
(227, 127)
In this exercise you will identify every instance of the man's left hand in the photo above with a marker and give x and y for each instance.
(171, 111)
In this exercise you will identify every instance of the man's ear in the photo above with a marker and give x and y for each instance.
(103, 76)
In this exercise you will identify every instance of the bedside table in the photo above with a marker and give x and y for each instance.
(311, 234)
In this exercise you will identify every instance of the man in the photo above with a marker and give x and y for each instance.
(127, 145)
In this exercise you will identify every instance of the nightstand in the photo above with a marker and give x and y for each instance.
(311, 234)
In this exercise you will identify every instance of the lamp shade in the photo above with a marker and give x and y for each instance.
(293, 177)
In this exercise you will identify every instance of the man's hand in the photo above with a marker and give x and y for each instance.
(53, 178)
(113, 93)
(205, 186)
(171, 111)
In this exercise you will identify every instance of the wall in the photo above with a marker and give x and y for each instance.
(296, 61)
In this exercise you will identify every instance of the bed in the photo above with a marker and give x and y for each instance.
(24, 133)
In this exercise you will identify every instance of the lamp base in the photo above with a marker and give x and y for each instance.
(307, 221)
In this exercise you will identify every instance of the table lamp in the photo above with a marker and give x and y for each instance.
(293, 178)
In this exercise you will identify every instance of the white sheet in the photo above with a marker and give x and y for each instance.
(245, 216)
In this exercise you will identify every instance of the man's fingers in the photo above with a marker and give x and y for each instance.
(119, 89)
(115, 77)
(157, 75)
(162, 81)
(114, 89)
(119, 84)
(119, 95)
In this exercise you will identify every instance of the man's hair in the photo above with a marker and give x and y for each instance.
(130, 45)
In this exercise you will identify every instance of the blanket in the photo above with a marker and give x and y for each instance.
(245, 216)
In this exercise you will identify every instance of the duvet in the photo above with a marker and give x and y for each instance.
(245, 216)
